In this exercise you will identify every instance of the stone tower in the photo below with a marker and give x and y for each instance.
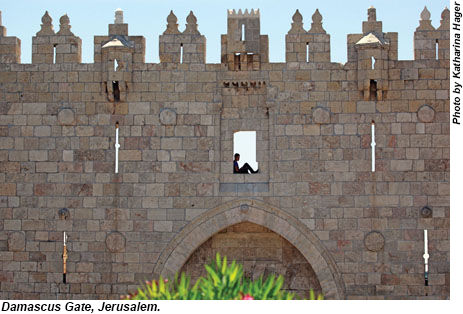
(115, 55)
(243, 47)
(372, 51)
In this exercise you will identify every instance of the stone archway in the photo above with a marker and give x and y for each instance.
(178, 251)
(261, 252)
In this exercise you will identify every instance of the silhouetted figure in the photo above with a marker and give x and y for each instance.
(246, 167)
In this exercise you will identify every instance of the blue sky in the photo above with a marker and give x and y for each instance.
(148, 18)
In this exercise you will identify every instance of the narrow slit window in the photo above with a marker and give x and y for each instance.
(437, 49)
(244, 144)
(181, 53)
(243, 32)
(116, 91)
(307, 50)
(373, 144)
(115, 65)
(373, 89)
(54, 54)
(237, 62)
(373, 63)
(117, 146)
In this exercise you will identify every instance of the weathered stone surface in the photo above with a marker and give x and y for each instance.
(16, 241)
(321, 116)
(426, 114)
(115, 242)
(168, 117)
(7, 189)
(66, 117)
(374, 241)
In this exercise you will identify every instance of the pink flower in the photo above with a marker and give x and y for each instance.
(247, 297)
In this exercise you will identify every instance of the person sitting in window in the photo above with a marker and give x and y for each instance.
(246, 167)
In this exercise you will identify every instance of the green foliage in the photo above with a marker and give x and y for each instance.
(223, 282)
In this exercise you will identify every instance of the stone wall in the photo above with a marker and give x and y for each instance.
(361, 231)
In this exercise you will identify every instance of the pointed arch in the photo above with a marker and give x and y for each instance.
(209, 223)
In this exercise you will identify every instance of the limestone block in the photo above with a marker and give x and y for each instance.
(340, 166)
(85, 131)
(46, 167)
(6, 143)
(311, 129)
(34, 108)
(401, 165)
(409, 74)
(38, 155)
(42, 131)
(162, 226)
(293, 130)
(139, 108)
(366, 107)
(16, 241)
(129, 155)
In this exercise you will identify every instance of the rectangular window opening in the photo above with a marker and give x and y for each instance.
(181, 53)
(244, 145)
(243, 32)
(437, 49)
(115, 64)
(116, 91)
(250, 60)
(373, 63)
(54, 54)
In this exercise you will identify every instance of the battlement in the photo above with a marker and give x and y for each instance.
(247, 14)
(243, 37)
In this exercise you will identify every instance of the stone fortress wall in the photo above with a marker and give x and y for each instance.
(315, 212)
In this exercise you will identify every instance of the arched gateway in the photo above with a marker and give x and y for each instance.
(228, 214)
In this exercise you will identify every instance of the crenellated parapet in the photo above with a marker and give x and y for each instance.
(188, 46)
(307, 46)
(431, 43)
(242, 47)
(62, 47)
(10, 47)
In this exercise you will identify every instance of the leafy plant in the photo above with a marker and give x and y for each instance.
(223, 282)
